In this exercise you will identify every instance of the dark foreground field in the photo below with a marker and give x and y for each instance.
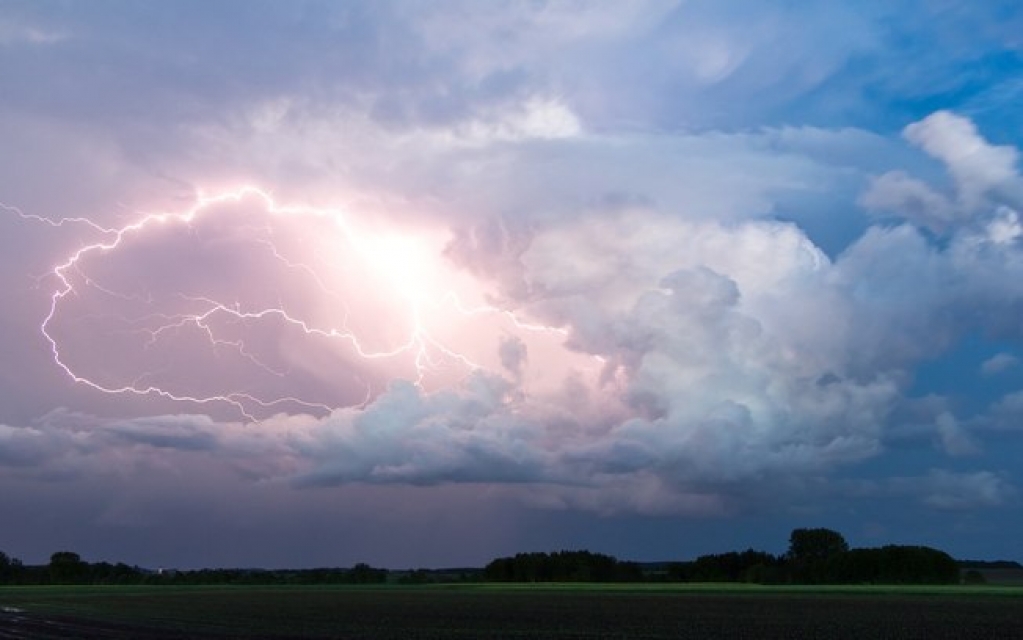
(486, 611)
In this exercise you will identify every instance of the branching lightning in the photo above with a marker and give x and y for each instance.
(396, 259)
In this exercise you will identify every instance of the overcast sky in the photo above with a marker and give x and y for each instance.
(425, 283)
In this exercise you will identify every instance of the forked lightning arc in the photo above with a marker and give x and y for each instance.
(427, 352)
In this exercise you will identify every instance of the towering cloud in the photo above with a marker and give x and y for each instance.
(669, 259)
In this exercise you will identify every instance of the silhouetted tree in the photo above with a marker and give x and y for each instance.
(809, 553)
(747, 566)
(120, 573)
(67, 567)
(561, 566)
(815, 544)
(362, 573)
(9, 568)
(893, 564)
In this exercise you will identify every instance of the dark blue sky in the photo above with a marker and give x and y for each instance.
(420, 284)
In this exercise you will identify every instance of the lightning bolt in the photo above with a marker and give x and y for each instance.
(207, 315)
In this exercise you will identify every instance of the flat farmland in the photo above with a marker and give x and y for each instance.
(510, 611)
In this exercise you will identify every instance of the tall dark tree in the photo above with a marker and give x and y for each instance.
(810, 550)
(816, 544)
(67, 567)
(7, 565)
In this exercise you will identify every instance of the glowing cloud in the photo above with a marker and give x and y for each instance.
(625, 357)
(263, 308)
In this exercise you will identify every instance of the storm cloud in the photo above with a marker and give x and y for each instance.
(686, 261)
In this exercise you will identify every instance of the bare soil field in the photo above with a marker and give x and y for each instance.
(433, 612)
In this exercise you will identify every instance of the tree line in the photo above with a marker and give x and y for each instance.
(814, 556)
(66, 567)
(562, 566)
(822, 556)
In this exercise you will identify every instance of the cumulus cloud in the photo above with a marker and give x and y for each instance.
(983, 176)
(741, 350)
(630, 326)
(718, 383)
(625, 353)
(23, 446)
(945, 490)
(1004, 415)
(179, 433)
(537, 118)
(976, 167)
(959, 491)
(998, 363)
(954, 439)
(410, 437)
(913, 199)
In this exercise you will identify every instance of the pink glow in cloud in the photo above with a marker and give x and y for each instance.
(622, 358)
(244, 304)
(526, 265)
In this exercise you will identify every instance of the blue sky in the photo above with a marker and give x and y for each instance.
(420, 284)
